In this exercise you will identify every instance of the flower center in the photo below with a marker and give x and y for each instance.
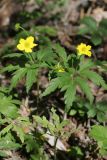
(26, 44)
(83, 49)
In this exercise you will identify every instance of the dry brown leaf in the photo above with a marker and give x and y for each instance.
(7, 8)
(72, 10)
(99, 14)
(24, 110)
(64, 39)
(105, 1)
(31, 6)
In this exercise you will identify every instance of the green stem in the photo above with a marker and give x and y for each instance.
(24, 30)
(31, 58)
(55, 149)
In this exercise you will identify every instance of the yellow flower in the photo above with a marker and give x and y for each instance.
(26, 44)
(84, 49)
(59, 68)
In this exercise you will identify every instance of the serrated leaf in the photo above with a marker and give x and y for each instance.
(63, 123)
(9, 145)
(91, 113)
(96, 39)
(103, 151)
(86, 65)
(38, 119)
(51, 128)
(31, 143)
(99, 133)
(72, 112)
(6, 129)
(85, 88)
(83, 30)
(65, 80)
(9, 68)
(103, 27)
(61, 52)
(69, 95)
(17, 76)
(8, 107)
(8, 142)
(20, 133)
(48, 30)
(101, 117)
(31, 77)
(3, 154)
(13, 55)
(102, 106)
(46, 54)
(44, 121)
(94, 77)
(53, 85)
(55, 117)
(90, 23)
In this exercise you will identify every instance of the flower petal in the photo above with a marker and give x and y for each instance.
(84, 49)
(89, 53)
(21, 40)
(30, 39)
(20, 47)
(88, 47)
(33, 45)
(28, 50)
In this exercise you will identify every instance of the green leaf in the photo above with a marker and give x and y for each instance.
(19, 74)
(31, 143)
(103, 27)
(72, 112)
(103, 23)
(64, 123)
(9, 145)
(76, 151)
(61, 52)
(8, 107)
(13, 55)
(55, 117)
(53, 85)
(9, 68)
(69, 95)
(31, 77)
(6, 129)
(83, 30)
(101, 117)
(65, 80)
(87, 64)
(52, 128)
(91, 113)
(3, 154)
(94, 77)
(20, 132)
(90, 23)
(102, 106)
(103, 151)
(85, 88)
(96, 39)
(99, 133)
(38, 119)
(46, 54)
(48, 30)
(42, 121)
